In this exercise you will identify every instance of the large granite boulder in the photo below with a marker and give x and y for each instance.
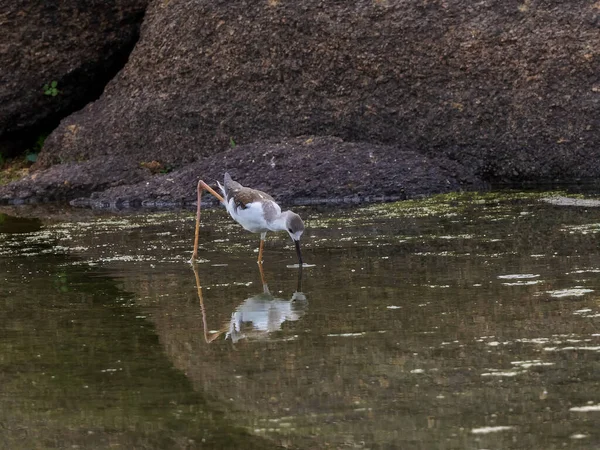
(509, 88)
(77, 45)
(487, 90)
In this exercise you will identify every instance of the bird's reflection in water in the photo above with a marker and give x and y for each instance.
(259, 315)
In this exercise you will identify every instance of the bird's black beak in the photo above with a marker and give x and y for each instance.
(298, 252)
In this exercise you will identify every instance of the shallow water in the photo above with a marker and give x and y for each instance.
(461, 322)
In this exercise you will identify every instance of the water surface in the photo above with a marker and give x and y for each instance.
(459, 322)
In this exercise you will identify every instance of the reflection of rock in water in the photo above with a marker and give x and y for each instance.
(12, 224)
(262, 314)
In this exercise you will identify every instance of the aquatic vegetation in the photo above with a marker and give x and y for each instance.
(573, 201)
(453, 204)
(588, 228)
(397, 310)
(531, 363)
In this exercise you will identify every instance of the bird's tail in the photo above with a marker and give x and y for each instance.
(229, 187)
(222, 188)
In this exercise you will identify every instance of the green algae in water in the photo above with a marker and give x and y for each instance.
(448, 205)
(411, 342)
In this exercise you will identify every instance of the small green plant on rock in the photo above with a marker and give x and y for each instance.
(51, 89)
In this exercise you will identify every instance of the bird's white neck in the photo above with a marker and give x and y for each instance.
(279, 223)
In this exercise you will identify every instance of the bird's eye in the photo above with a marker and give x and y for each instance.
(290, 230)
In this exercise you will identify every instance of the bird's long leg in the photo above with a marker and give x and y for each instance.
(261, 246)
(262, 278)
(201, 186)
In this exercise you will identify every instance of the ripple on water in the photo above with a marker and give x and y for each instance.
(577, 291)
(523, 283)
(587, 348)
(588, 313)
(518, 276)
(531, 363)
(591, 270)
(579, 436)
(429, 279)
(500, 373)
(586, 408)
(487, 430)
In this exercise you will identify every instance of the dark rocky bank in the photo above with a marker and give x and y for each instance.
(400, 99)
(303, 170)
(76, 44)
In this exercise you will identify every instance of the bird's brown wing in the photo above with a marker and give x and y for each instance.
(242, 195)
(231, 188)
(245, 195)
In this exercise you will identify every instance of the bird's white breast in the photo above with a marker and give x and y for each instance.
(251, 217)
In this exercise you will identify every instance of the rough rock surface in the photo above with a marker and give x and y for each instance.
(80, 45)
(509, 87)
(508, 90)
(301, 171)
(70, 180)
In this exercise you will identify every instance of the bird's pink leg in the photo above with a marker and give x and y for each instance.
(261, 246)
(201, 186)
(262, 278)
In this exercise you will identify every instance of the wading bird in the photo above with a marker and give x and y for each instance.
(254, 210)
